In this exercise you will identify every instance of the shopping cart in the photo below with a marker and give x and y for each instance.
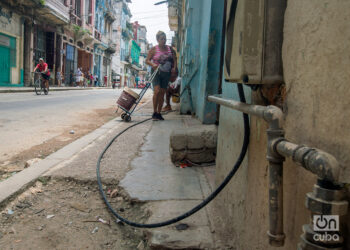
(129, 99)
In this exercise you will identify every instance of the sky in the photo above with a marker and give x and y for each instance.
(154, 17)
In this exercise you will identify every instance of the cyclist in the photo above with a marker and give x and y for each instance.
(45, 72)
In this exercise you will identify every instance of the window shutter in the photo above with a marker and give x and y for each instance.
(13, 52)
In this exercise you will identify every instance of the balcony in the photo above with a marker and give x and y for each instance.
(74, 19)
(110, 16)
(55, 12)
(126, 33)
(129, 26)
(97, 35)
(112, 47)
(173, 18)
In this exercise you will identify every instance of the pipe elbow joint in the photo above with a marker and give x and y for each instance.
(274, 116)
(323, 164)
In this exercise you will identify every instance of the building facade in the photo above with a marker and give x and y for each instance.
(25, 30)
(104, 47)
(126, 38)
(142, 41)
(68, 34)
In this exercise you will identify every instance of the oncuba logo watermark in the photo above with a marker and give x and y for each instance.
(324, 224)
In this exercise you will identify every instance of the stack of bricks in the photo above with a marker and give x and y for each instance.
(196, 144)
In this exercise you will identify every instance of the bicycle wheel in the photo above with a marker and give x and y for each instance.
(37, 86)
(46, 90)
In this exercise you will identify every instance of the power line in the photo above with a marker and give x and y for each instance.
(146, 12)
(155, 23)
(150, 17)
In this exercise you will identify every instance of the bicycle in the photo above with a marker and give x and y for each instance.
(38, 85)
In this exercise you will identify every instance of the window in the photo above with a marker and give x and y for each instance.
(70, 53)
(88, 11)
(78, 8)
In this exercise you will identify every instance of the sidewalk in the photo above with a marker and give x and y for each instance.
(31, 89)
(137, 167)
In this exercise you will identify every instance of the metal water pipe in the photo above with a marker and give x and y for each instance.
(327, 197)
(274, 116)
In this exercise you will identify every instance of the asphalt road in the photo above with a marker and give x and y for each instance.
(27, 120)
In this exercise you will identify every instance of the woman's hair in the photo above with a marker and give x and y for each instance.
(159, 34)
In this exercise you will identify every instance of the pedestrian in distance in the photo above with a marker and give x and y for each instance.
(92, 79)
(85, 79)
(137, 79)
(78, 77)
(71, 78)
(164, 58)
(96, 80)
(59, 77)
(105, 78)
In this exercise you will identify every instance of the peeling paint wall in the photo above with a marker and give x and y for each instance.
(316, 59)
(201, 57)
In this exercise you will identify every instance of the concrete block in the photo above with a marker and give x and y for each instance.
(211, 138)
(198, 144)
(202, 155)
(195, 140)
(177, 155)
(178, 140)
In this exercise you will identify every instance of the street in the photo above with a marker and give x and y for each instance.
(28, 121)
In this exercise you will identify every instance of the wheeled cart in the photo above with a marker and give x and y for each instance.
(129, 99)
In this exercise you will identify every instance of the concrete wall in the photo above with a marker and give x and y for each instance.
(316, 69)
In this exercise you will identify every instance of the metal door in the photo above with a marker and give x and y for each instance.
(4, 65)
(191, 54)
(69, 65)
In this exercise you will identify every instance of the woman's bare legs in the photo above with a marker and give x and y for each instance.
(156, 92)
(160, 100)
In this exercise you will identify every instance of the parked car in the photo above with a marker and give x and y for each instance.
(141, 85)
(116, 83)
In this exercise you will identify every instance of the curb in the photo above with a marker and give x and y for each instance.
(20, 90)
(20, 181)
(16, 184)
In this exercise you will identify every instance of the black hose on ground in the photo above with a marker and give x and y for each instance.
(204, 202)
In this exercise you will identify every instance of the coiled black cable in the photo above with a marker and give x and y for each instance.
(205, 201)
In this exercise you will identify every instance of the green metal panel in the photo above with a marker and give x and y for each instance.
(135, 52)
(13, 52)
(22, 76)
(4, 65)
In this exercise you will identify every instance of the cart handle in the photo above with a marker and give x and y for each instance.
(153, 74)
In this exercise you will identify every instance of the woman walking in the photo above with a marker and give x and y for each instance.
(164, 57)
(59, 77)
